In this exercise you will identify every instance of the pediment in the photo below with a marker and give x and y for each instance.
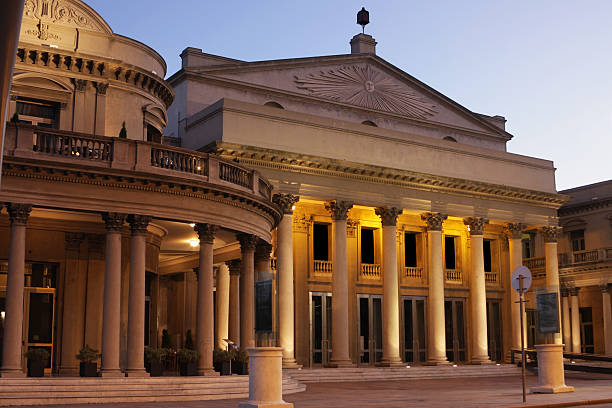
(67, 13)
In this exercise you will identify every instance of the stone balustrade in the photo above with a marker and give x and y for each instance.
(370, 271)
(569, 259)
(453, 275)
(491, 277)
(413, 272)
(322, 267)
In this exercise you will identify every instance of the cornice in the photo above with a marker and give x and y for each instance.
(319, 166)
(585, 207)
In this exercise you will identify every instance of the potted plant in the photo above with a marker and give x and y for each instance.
(154, 358)
(166, 344)
(240, 363)
(37, 360)
(123, 131)
(188, 362)
(189, 341)
(222, 361)
(88, 358)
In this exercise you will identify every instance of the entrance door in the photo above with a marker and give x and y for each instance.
(370, 328)
(454, 315)
(38, 327)
(494, 329)
(415, 346)
(320, 328)
(586, 330)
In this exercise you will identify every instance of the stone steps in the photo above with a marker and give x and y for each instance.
(65, 391)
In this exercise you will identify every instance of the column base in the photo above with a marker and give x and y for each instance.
(16, 373)
(290, 364)
(391, 363)
(437, 362)
(259, 404)
(138, 373)
(481, 360)
(208, 372)
(341, 364)
(111, 373)
(551, 390)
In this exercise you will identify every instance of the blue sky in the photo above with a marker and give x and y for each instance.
(544, 65)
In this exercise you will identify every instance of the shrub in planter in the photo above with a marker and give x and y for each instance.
(37, 360)
(222, 361)
(166, 344)
(240, 363)
(154, 361)
(88, 358)
(188, 362)
(189, 341)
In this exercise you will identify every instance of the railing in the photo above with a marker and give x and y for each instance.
(265, 189)
(179, 161)
(322, 267)
(415, 272)
(235, 174)
(272, 264)
(586, 256)
(370, 271)
(78, 147)
(453, 275)
(535, 263)
(491, 277)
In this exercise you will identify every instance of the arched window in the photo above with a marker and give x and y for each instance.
(369, 123)
(450, 139)
(274, 105)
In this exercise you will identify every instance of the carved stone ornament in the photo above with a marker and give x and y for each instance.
(604, 287)
(434, 220)
(352, 225)
(101, 87)
(114, 221)
(388, 215)
(234, 266)
(73, 240)
(63, 12)
(19, 213)
(285, 202)
(138, 223)
(247, 241)
(361, 85)
(262, 251)
(551, 234)
(80, 84)
(476, 225)
(206, 232)
(339, 209)
(301, 223)
(514, 230)
(573, 291)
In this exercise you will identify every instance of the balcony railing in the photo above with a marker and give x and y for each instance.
(535, 263)
(235, 174)
(568, 259)
(73, 146)
(453, 275)
(370, 271)
(322, 267)
(168, 158)
(413, 272)
(491, 277)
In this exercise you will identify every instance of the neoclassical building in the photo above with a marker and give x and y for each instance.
(403, 213)
(92, 202)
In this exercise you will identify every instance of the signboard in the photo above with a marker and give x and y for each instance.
(548, 312)
(515, 280)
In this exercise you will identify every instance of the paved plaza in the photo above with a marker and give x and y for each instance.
(452, 393)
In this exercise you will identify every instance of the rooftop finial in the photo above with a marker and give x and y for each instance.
(363, 18)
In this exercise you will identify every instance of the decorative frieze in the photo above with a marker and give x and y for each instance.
(206, 232)
(434, 220)
(285, 201)
(338, 209)
(114, 221)
(552, 233)
(138, 223)
(388, 215)
(514, 230)
(19, 213)
(476, 225)
(247, 241)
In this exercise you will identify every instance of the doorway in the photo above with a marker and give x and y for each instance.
(454, 316)
(415, 329)
(370, 329)
(494, 330)
(39, 307)
(320, 328)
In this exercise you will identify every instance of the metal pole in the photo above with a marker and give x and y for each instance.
(521, 277)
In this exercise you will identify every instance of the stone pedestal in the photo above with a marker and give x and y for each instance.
(551, 377)
(265, 379)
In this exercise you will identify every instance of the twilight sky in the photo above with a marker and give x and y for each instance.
(545, 65)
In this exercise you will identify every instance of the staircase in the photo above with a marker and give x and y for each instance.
(401, 373)
(73, 390)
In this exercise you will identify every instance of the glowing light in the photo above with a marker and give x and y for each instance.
(199, 168)
(454, 365)
(2, 314)
(292, 207)
(407, 366)
(497, 364)
(573, 362)
(192, 225)
(194, 242)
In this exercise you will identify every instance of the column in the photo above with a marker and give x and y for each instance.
(575, 317)
(478, 291)
(100, 113)
(436, 334)
(111, 313)
(136, 300)
(607, 319)
(223, 294)
(514, 233)
(247, 290)
(205, 312)
(340, 321)
(284, 273)
(234, 301)
(566, 326)
(262, 261)
(390, 315)
(551, 236)
(79, 116)
(13, 321)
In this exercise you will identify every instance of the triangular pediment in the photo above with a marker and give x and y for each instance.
(360, 81)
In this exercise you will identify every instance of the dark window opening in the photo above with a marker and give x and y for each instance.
(367, 246)
(369, 123)
(587, 339)
(263, 306)
(273, 104)
(38, 112)
(410, 249)
(486, 249)
(577, 238)
(449, 252)
(526, 245)
(450, 139)
(320, 242)
(153, 134)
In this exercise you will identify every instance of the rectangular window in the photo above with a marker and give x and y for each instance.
(320, 237)
(367, 246)
(577, 239)
(263, 306)
(449, 252)
(486, 249)
(38, 112)
(410, 249)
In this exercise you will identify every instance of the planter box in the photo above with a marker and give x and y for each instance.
(188, 369)
(226, 368)
(240, 368)
(155, 368)
(36, 368)
(88, 369)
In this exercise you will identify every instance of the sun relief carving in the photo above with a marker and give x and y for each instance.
(63, 12)
(363, 86)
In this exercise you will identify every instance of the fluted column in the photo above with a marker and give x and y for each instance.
(575, 316)
(340, 322)
(247, 290)
(136, 300)
(478, 291)
(234, 301)
(436, 339)
(514, 233)
(284, 268)
(607, 319)
(111, 310)
(222, 319)
(566, 325)
(13, 320)
(390, 315)
(205, 308)
(551, 236)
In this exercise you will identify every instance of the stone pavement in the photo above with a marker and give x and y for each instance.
(451, 393)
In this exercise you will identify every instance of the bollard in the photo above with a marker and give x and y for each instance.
(265, 379)
(551, 375)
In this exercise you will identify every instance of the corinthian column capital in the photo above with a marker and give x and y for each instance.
(551, 234)
(338, 209)
(19, 213)
(514, 230)
(285, 202)
(388, 215)
(476, 225)
(247, 241)
(114, 221)
(138, 223)
(206, 232)
(434, 220)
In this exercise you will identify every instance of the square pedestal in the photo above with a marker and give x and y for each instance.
(551, 390)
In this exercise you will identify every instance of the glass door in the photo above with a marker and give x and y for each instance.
(454, 315)
(370, 328)
(494, 330)
(415, 345)
(320, 324)
(38, 326)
